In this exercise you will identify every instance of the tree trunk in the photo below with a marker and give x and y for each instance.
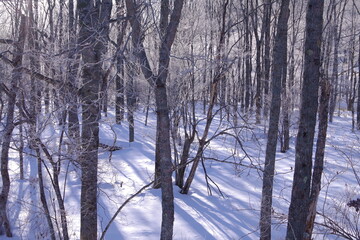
(300, 196)
(358, 95)
(9, 125)
(91, 51)
(319, 157)
(267, 30)
(119, 81)
(43, 195)
(163, 163)
(258, 71)
(334, 89)
(285, 131)
(71, 95)
(103, 34)
(130, 100)
(279, 63)
(248, 65)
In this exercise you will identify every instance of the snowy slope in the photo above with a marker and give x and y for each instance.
(198, 215)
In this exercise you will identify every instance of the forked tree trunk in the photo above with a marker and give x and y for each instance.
(300, 195)
(319, 157)
(219, 74)
(43, 195)
(168, 29)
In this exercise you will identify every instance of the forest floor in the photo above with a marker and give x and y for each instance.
(231, 211)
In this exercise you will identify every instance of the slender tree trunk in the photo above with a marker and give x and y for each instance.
(219, 72)
(21, 151)
(319, 157)
(285, 132)
(56, 166)
(279, 63)
(71, 95)
(248, 65)
(9, 125)
(168, 29)
(267, 30)
(130, 100)
(334, 89)
(43, 195)
(147, 106)
(119, 82)
(104, 21)
(300, 196)
(358, 95)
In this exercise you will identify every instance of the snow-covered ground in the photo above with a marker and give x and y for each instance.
(232, 213)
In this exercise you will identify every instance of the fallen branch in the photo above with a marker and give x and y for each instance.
(122, 206)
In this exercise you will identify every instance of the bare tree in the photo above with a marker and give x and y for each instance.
(168, 28)
(10, 123)
(92, 35)
(279, 64)
(300, 196)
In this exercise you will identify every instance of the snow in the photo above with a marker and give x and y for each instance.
(232, 213)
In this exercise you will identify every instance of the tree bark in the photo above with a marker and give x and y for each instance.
(248, 65)
(279, 63)
(300, 196)
(43, 195)
(163, 163)
(92, 48)
(9, 125)
(71, 94)
(267, 30)
(130, 100)
(358, 96)
(119, 81)
(319, 157)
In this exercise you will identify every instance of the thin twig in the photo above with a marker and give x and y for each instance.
(122, 206)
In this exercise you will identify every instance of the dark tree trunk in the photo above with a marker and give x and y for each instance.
(168, 29)
(119, 81)
(91, 27)
(130, 100)
(21, 151)
(267, 30)
(43, 195)
(103, 36)
(71, 95)
(258, 71)
(300, 196)
(9, 125)
(165, 163)
(358, 96)
(279, 63)
(319, 157)
(248, 65)
(334, 89)
(285, 131)
(337, 29)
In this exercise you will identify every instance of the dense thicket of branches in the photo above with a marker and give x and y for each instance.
(67, 63)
